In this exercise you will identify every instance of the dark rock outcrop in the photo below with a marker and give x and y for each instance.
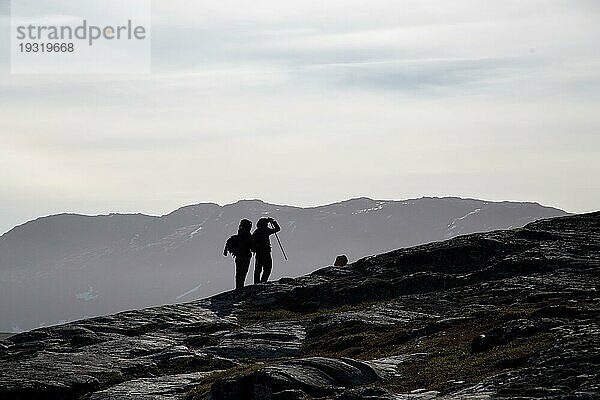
(505, 314)
(297, 378)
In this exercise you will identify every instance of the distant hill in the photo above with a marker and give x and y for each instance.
(69, 266)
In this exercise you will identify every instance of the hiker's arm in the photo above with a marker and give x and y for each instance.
(225, 251)
(276, 228)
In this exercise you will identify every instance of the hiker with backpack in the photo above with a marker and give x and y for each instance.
(263, 262)
(241, 246)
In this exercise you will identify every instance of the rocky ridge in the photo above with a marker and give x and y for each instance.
(505, 314)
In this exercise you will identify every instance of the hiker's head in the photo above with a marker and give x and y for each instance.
(263, 223)
(245, 225)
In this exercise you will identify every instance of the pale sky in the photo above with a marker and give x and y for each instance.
(310, 102)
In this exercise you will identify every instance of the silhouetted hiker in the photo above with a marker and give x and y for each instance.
(341, 261)
(240, 246)
(262, 247)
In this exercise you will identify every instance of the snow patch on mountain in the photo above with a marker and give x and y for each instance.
(378, 207)
(452, 225)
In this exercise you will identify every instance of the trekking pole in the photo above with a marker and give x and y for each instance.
(280, 246)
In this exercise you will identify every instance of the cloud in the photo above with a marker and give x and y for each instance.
(308, 102)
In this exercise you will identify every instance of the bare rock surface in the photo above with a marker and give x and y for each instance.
(505, 314)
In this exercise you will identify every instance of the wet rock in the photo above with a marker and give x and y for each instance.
(558, 311)
(35, 336)
(199, 341)
(80, 336)
(260, 341)
(207, 327)
(312, 376)
(170, 387)
(388, 366)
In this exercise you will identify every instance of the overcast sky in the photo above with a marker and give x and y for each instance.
(310, 102)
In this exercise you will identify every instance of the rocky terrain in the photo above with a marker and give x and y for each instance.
(504, 314)
(64, 267)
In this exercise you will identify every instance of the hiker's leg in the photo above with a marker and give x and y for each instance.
(242, 264)
(239, 272)
(239, 279)
(257, 268)
(267, 267)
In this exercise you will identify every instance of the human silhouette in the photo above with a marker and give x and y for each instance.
(262, 247)
(240, 246)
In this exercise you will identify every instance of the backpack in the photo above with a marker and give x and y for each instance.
(233, 245)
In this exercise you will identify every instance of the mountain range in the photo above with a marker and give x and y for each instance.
(68, 266)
